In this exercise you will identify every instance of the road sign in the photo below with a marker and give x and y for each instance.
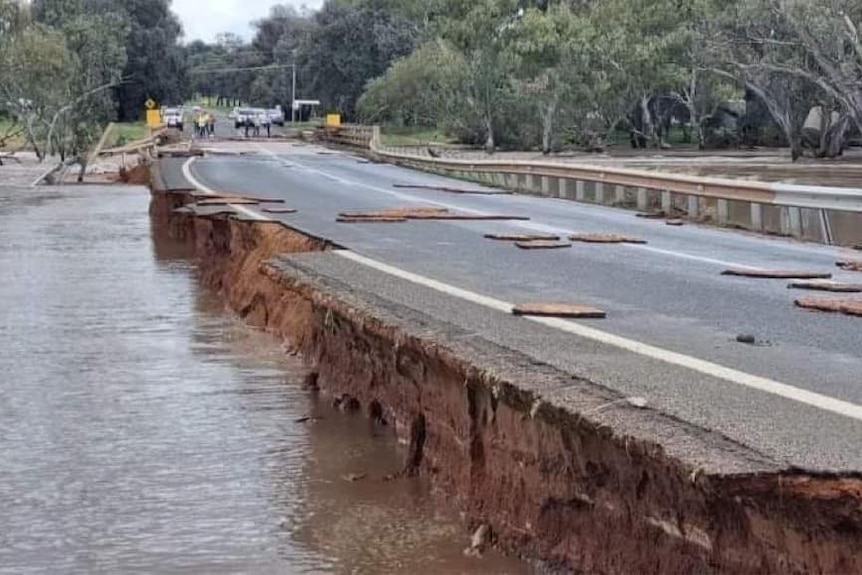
(333, 119)
(153, 119)
(150, 104)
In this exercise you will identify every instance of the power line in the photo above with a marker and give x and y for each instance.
(247, 69)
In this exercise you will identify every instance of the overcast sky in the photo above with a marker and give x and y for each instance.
(203, 20)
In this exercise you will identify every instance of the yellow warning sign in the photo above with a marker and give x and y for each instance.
(333, 119)
(154, 119)
(150, 104)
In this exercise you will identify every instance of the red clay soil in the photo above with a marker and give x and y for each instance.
(776, 274)
(138, 175)
(605, 239)
(564, 310)
(550, 483)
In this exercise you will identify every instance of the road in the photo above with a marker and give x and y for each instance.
(670, 335)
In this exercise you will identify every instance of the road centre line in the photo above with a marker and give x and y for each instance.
(773, 387)
(532, 226)
(770, 386)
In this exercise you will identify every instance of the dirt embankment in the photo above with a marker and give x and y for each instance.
(551, 484)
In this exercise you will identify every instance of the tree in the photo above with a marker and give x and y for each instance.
(37, 67)
(155, 66)
(476, 29)
(349, 44)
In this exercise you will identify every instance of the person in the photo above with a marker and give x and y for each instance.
(257, 125)
(212, 124)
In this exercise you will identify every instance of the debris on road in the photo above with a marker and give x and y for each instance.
(675, 222)
(652, 215)
(425, 213)
(243, 197)
(606, 239)
(227, 201)
(563, 310)
(523, 237)
(776, 274)
(279, 210)
(478, 542)
(475, 192)
(847, 306)
(746, 338)
(850, 265)
(370, 220)
(826, 285)
(354, 477)
(542, 245)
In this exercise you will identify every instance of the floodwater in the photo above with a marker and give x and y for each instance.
(142, 429)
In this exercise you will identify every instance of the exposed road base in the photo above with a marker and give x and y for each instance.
(523, 237)
(587, 479)
(826, 285)
(776, 274)
(543, 245)
(566, 310)
(605, 239)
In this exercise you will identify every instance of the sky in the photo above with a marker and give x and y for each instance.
(203, 19)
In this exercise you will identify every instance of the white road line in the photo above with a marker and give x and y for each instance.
(532, 226)
(748, 380)
(187, 174)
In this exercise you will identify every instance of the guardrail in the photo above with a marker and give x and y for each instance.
(823, 214)
(352, 135)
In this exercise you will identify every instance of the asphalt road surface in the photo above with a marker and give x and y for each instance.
(673, 319)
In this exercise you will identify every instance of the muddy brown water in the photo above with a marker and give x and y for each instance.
(143, 429)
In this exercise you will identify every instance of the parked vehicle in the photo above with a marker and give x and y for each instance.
(244, 116)
(276, 116)
(173, 118)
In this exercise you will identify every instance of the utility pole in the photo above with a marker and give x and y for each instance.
(293, 96)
